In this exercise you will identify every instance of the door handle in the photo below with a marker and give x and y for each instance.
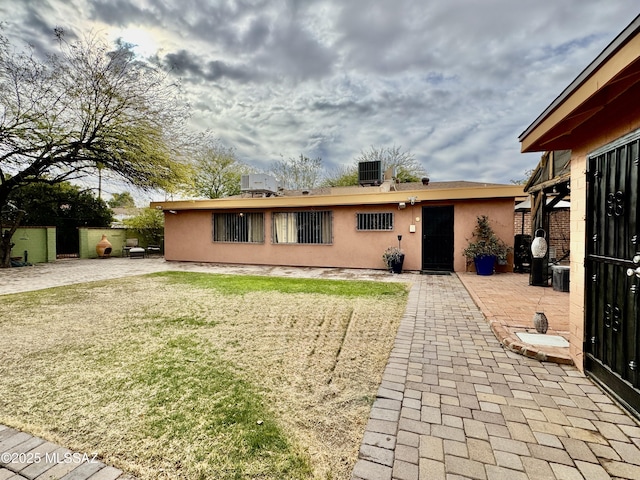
(631, 272)
(636, 259)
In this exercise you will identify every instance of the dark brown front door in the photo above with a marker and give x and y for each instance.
(612, 333)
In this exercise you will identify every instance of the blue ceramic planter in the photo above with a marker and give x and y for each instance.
(484, 264)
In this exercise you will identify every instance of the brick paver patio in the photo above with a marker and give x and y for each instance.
(455, 404)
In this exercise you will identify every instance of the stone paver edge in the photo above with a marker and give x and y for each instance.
(516, 346)
(372, 465)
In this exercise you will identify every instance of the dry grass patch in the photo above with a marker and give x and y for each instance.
(184, 375)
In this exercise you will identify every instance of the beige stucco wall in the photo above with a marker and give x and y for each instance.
(577, 256)
(500, 213)
(188, 237)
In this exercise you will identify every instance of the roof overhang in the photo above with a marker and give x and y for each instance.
(608, 85)
(378, 198)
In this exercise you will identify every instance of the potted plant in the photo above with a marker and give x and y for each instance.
(393, 259)
(485, 248)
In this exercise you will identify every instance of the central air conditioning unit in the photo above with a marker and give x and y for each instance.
(370, 173)
(258, 183)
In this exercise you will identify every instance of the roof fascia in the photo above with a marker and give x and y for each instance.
(419, 196)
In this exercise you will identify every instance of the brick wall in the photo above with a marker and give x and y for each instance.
(521, 219)
(560, 233)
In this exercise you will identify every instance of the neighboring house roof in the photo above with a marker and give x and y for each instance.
(384, 194)
(388, 186)
(452, 184)
(603, 87)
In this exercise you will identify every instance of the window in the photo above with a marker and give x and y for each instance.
(238, 227)
(374, 221)
(302, 227)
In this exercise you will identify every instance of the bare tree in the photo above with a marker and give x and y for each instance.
(217, 170)
(91, 106)
(408, 169)
(298, 173)
(523, 181)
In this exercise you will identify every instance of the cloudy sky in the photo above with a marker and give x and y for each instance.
(453, 81)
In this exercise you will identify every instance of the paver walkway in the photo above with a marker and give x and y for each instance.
(455, 404)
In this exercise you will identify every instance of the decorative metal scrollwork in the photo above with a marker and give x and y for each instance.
(608, 310)
(617, 316)
(615, 204)
(619, 205)
(610, 204)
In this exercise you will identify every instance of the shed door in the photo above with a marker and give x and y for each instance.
(437, 238)
(612, 290)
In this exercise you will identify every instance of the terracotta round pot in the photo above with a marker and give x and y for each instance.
(103, 248)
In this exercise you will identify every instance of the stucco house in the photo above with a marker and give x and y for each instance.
(347, 227)
(597, 119)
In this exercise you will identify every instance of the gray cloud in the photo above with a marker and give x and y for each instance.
(124, 12)
(194, 69)
(455, 82)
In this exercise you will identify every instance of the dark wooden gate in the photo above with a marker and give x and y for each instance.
(612, 330)
(437, 238)
(67, 241)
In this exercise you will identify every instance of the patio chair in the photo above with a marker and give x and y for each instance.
(129, 243)
(153, 249)
(137, 252)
